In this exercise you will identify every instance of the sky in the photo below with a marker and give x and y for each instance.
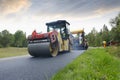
(29, 15)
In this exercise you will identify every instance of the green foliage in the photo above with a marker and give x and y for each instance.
(116, 28)
(114, 50)
(105, 34)
(94, 64)
(17, 40)
(20, 39)
(96, 38)
(6, 38)
(91, 37)
(0, 39)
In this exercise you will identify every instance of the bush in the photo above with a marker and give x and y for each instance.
(1, 46)
(114, 50)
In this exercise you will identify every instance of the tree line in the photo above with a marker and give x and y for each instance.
(96, 38)
(18, 39)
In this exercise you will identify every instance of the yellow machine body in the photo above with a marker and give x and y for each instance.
(77, 31)
(79, 41)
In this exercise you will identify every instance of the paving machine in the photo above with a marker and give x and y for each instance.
(79, 41)
(51, 43)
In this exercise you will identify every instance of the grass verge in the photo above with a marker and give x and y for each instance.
(94, 64)
(12, 51)
(114, 50)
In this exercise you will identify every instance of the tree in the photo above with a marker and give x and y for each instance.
(105, 34)
(20, 39)
(115, 31)
(96, 38)
(0, 39)
(6, 38)
(91, 37)
(12, 39)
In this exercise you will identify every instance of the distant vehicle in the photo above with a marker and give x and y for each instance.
(79, 41)
(112, 42)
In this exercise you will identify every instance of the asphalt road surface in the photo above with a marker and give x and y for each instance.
(30, 68)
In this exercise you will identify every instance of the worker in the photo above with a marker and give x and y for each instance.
(80, 39)
(63, 32)
(104, 44)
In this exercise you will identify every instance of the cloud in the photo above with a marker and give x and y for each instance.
(13, 6)
(59, 9)
(74, 8)
(102, 11)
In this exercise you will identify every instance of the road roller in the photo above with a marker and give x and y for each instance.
(79, 41)
(55, 40)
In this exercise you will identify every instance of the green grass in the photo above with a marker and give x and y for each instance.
(94, 64)
(114, 50)
(12, 51)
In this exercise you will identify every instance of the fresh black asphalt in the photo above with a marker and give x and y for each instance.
(30, 68)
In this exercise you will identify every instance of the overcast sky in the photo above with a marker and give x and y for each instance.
(28, 15)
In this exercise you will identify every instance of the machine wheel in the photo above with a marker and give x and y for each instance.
(45, 49)
(54, 48)
(86, 47)
(69, 46)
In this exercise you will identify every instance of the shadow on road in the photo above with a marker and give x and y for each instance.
(48, 56)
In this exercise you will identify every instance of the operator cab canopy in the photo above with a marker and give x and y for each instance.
(57, 25)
